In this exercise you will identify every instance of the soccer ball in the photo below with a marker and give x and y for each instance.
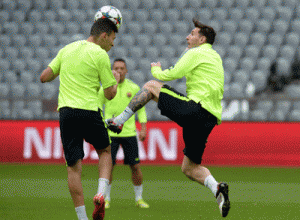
(110, 12)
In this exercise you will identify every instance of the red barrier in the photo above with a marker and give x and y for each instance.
(231, 143)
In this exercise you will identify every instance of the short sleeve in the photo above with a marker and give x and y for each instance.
(55, 64)
(107, 78)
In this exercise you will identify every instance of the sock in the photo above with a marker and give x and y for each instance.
(107, 193)
(124, 116)
(211, 183)
(81, 213)
(102, 185)
(138, 192)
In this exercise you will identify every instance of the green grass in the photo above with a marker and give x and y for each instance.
(40, 192)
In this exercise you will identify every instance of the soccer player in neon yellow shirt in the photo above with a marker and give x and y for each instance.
(126, 91)
(197, 113)
(82, 65)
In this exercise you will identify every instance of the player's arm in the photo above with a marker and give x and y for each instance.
(111, 91)
(48, 75)
(186, 64)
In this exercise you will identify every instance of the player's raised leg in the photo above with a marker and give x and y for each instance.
(150, 91)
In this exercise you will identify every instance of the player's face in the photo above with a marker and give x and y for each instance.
(109, 41)
(120, 67)
(195, 39)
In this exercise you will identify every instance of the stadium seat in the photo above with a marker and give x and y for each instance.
(57, 28)
(144, 65)
(131, 64)
(287, 52)
(26, 52)
(42, 28)
(72, 28)
(173, 15)
(219, 14)
(240, 39)
(247, 64)
(165, 28)
(49, 41)
(284, 106)
(121, 52)
(263, 26)
(152, 53)
(10, 28)
(135, 27)
(36, 107)
(224, 38)
(9, 5)
(141, 15)
(39, 5)
(181, 27)
(17, 91)
(292, 39)
(280, 27)
(264, 64)
(10, 77)
(148, 4)
(72, 4)
(26, 77)
(35, 40)
(11, 53)
(4, 90)
(4, 109)
(236, 14)
(34, 66)
(283, 66)
(229, 26)
(241, 77)
(205, 14)
(87, 4)
(55, 5)
(143, 40)
(138, 77)
(216, 25)
(270, 51)
(192, 3)
(265, 105)
(17, 108)
(127, 15)
(19, 65)
(64, 40)
(252, 14)
(19, 41)
(42, 53)
(293, 91)
(227, 77)
(26, 114)
(162, 4)
(133, 4)
(252, 51)
(4, 65)
(49, 91)
(159, 40)
(35, 17)
(258, 39)
(4, 16)
(149, 28)
(118, 3)
(127, 40)
(236, 90)
(211, 3)
(259, 79)
(258, 115)
(64, 16)
(284, 13)
(18, 16)
(294, 115)
(78, 16)
(230, 65)
(227, 3)
(275, 39)
(50, 16)
(296, 26)
(246, 26)
(268, 13)
(168, 52)
(157, 15)
(136, 52)
(176, 40)
(27, 28)
(33, 91)
(187, 14)
(243, 4)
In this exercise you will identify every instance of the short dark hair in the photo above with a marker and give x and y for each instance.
(206, 31)
(103, 25)
(120, 60)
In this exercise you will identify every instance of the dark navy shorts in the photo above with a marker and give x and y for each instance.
(196, 122)
(77, 125)
(130, 149)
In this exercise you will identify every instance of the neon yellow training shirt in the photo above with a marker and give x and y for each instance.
(125, 92)
(202, 66)
(81, 66)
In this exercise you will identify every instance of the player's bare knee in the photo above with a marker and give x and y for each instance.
(187, 171)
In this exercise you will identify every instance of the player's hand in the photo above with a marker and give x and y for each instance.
(142, 135)
(156, 64)
(116, 75)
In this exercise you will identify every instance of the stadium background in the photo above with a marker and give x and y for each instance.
(258, 41)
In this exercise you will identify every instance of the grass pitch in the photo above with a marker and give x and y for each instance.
(30, 192)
